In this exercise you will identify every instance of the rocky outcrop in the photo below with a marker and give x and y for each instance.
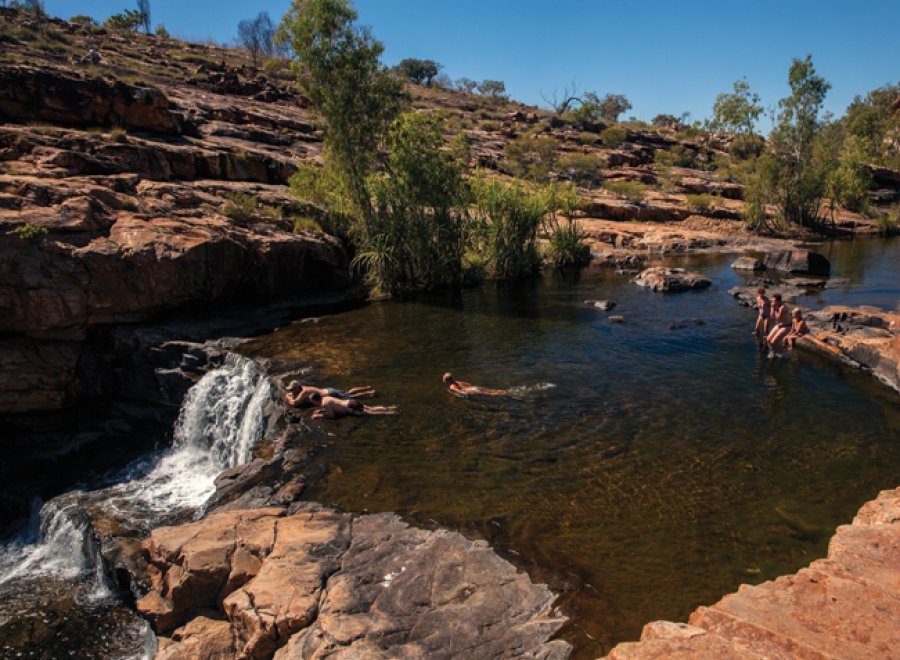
(866, 337)
(799, 262)
(844, 606)
(309, 582)
(659, 278)
(748, 263)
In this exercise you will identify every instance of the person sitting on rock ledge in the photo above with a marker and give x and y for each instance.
(93, 57)
(782, 321)
(329, 407)
(463, 389)
(298, 393)
(798, 328)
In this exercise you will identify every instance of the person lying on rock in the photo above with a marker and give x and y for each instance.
(798, 328)
(463, 389)
(298, 393)
(329, 407)
(782, 320)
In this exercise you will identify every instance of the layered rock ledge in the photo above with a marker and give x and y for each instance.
(844, 606)
(309, 582)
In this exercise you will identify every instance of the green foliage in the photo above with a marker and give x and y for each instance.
(703, 201)
(583, 168)
(324, 189)
(532, 157)
(746, 146)
(847, 178)
(466, 85)
(664, 121)
(240, 207)
(31, 233)
(565, 246)
(418, 72)
(493, 89)
(340, 73)
(613, 105)
(633, 191)
(678, 155)
(308, 225)
(613, 136)
(489, 125)
(738, 111)
(505, 228)
(888, 224)
(82, 19)
(162, 32)
(874, 123)
(129, 19)
(417, 237)
(257, 36)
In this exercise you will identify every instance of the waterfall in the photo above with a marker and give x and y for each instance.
(219, 422)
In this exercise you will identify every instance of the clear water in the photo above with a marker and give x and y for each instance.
(55, 597)
(644, 468)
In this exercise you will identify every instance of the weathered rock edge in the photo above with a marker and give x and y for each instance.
(306, 581)
(844, 606)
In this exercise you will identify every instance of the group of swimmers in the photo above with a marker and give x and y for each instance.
(779, 328)
(331, 403)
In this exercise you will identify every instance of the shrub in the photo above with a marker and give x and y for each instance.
(633, 191)
(679, 155)
(240, 207)
(506, 222)
(613, 136)
(531, 157)
(746, 146)
(588, 138)
(130, 20)
(586, 169)
(702, 202)
(306, 224)
(162, 32)
(31, 233)
(418, 72)
(82, 19)
(325, 191)
(493, 89)
(565, 246)
(490, 125)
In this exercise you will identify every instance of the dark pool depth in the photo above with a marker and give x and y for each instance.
(646, 468)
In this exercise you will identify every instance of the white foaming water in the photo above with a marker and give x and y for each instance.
(220, 421)
(525, 390)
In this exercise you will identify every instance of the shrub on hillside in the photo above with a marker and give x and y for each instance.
(531, 157)
(633, 191)
(613, 136)
(746, 146)
(130, 20)
(582, 168)
(31, 233)
(240, 207)
(678, 155)
(82, 19)
(703, 201)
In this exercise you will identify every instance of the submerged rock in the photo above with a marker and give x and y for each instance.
(661, 278)
(845, 606)
(298, 582)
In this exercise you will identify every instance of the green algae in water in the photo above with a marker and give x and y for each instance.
(641, 471)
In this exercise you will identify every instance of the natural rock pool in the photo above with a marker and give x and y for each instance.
(644, 468)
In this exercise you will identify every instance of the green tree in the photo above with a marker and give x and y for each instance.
(418, 72)
(799, 183)
(465, 85)
(83, 19)
(340, 73)
(129, 20)
(613, 105)
(738, 111)
(495, 89)
(875, 123)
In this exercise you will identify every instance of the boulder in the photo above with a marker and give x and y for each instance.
(660, 278)
(799, 262)
(604, 305)
(748, 263)
(302, 582)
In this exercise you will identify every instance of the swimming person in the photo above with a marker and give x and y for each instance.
(329, 407)
(762, 321)
(798, 328)
(464, 389)
(297, 393)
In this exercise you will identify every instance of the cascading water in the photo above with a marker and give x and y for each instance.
(58, 556)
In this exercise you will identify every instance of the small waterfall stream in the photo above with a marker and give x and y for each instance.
(53, 581)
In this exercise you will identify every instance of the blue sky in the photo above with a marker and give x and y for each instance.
(664, 56)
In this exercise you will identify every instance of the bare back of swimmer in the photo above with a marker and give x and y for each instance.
(464, 389)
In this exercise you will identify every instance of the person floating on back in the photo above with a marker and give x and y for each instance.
(329, 407)
(463, 389)
(298, 393)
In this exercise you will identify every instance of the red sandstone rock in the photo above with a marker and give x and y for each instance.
(845, 606)
(671, 279)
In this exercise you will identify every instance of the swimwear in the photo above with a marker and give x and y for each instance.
(764, 310)
(337, 394)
